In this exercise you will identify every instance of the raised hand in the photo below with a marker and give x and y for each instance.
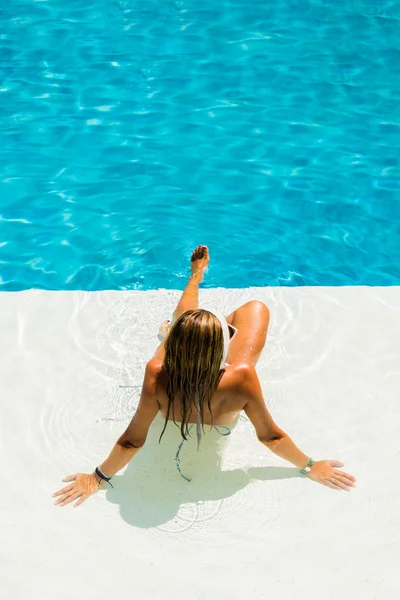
(325, 472)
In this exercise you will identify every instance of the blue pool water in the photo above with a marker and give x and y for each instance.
(133, 131)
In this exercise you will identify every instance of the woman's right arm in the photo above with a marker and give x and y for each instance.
(276, 440)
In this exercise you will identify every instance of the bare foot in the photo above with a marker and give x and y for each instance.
(199, 261)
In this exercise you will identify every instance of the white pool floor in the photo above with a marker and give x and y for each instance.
(247, 526)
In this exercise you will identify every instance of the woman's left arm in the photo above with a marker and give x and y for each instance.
(84, 485)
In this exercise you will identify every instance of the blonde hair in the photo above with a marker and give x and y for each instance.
(193, 353)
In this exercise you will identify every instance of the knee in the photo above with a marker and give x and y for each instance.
(259, 307)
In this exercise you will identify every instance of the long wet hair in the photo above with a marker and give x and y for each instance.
(193, 354)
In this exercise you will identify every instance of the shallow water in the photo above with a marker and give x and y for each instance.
(131, 132)
(248, 520)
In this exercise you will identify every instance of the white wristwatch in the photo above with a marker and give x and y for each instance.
(307, 468)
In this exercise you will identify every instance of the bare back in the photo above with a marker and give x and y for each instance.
(226, 402)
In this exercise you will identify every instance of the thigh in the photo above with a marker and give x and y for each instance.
(251, 321)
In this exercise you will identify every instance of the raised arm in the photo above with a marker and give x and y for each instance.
(84, 485)
(276, 440)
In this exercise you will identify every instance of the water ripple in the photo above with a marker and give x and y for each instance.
(249, 127)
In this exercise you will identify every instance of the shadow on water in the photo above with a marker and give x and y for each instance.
(151, 492)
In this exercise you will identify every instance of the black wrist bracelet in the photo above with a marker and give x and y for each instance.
(100, 474)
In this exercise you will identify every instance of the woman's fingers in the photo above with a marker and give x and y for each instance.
(61, 499)
(339, 483)
(324, 472)
(71, 498)
(81, 499)
(351, 477)
(83, 486)
(70, 477)
(64, 490)
(64, 497)
(68, 488)
(342, 485)
(332, 485)
(335, 463)
(344, 477)
(345, 483)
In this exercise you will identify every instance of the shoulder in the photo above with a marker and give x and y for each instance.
(152, 371)
(244, 376)
(153, 366)
(244, 371)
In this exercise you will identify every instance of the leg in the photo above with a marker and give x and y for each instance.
(190, 296)
(251, 320)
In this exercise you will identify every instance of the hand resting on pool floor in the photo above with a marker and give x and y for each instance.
(203, 374)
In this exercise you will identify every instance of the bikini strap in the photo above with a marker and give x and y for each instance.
(199, 435)
(218, 427)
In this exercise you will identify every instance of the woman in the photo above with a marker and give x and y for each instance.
(189, 382)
